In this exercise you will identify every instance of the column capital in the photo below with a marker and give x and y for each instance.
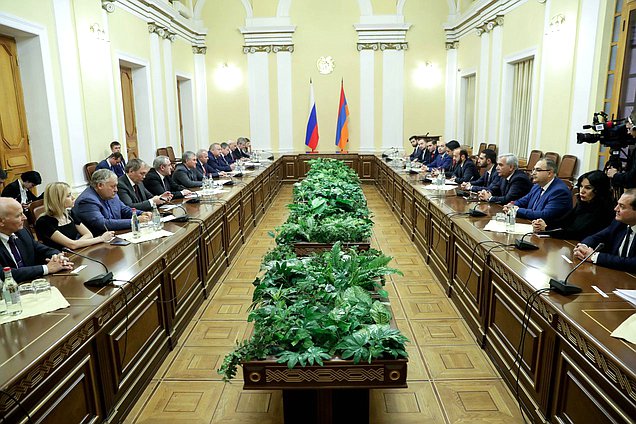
(268, 38)
(451, 45)
(199, 49)
(490, 25)
(382, 36)
(162, 32)
(108, 5)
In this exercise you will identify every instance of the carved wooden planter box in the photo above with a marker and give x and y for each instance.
(304, 248)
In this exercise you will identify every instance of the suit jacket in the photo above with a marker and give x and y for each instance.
(466, 172)
(509, 190)
(229, 158)
(13, 190)
(236, 154)
(429, 157)
(206, 169)
(126, 193)
(416, 155)
(117, 169)
(219, 164)
(609, 256)
(486, 182)
(34, 255)
(243, 153)
(443, 161)
(155, 185)
(98, 214)
(554, 203)
(188, 178)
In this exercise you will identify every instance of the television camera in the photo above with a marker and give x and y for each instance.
(612, 133)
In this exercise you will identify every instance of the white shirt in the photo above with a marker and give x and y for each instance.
(23, 193)
(594, 257)
(545, 187)
(152, 202)
(5, 241)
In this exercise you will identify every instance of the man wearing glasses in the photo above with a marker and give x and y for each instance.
(548, 199)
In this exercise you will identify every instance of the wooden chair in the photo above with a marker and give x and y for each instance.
(89, 168)
(33, 212)
(567, 167)
(170, 154)
(493, 147)
(162, 151)
(552, 155)
(534, 157)
(482, 147)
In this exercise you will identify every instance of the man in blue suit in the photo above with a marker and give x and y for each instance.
(112, 163)
(513, 185)
(487, 159)
(99, 207)
(445, 159)
(620, 249)
(549, 198)
(216, 159)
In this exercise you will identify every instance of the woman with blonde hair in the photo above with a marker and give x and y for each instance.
(57, 227)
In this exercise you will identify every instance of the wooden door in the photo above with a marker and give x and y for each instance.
(180, 115)
(128, 100)
(15, 154)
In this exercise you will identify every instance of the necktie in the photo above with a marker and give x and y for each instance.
(14, 250)
(138, 193)
(504, 186)
(625, 248)
(165, 184)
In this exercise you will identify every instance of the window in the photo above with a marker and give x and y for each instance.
(521, 105)
(468, 94)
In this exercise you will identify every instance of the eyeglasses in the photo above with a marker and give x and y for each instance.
(540, 170)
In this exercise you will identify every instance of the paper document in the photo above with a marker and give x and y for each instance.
(500, 227)
(627, 330)
(152, 235)
(443, 188)
(167, 207)
(33, 305)
(628, 295)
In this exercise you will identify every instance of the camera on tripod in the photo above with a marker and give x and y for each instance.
(609, 132)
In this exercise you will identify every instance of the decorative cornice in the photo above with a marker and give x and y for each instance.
(268, 38)
(490, 25)
(478, 17)
(452, 45)
(382, 36)
(108, 5)
(199, 49)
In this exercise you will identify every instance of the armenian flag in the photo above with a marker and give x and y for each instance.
(311, 137)
(342, 129)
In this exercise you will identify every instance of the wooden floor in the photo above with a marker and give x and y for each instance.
(450, 378)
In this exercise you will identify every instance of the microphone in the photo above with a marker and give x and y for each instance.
(180, 213)
(562, 287)
(100, 280)
(474, 212)
(526, 245)
(588, 127)
(386, 156)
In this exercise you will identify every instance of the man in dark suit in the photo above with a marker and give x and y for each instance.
(444, 159)
(227, 154)
(514, 182)
(112, 163)
(27, 258)
(99, 207)
(620, 249)
(204, 166)
(490, 179)
(241, 148)
(119, 170)
(430, 151)
(548, 199)
(132, 191)
(465, 170)
(417, 151)
(159, 180)
(20, 189)
(217, 161)
(186, 174)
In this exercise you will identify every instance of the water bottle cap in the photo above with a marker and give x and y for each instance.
(6, 269)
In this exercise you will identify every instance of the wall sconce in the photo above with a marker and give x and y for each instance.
(227, 77)
(98, 32)
(556, 23)
(427, 75)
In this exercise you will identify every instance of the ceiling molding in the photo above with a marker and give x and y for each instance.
(479, 15)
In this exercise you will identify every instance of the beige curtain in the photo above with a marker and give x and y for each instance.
(469, 111)
(521, 104)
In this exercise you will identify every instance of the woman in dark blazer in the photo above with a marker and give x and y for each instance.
(594, 210)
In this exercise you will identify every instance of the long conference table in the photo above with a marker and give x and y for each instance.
(90, 362)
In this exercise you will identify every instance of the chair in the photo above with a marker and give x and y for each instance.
(89, 168)
(33, 212)
(552, 155)
(534, 157)
(493, 147)
(162, 151)
(482, 147)
(170, 154)
(567, 166)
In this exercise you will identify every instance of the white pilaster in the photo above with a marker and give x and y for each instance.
(482, 94)
(495, 87)
(393, 98)
(582, 101)
(172, 138)
(201, 101)
(285, 109)
(71, 86)
(258, 88)
(452, 79)
(367, 100)
(157, 88)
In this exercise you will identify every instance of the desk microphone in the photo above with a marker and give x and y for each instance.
(526, 245)
(474, 212)
(562, 287)
(180, 214)
(386, 156)
(100, 280)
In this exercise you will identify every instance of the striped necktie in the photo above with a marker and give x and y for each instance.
(15, 252)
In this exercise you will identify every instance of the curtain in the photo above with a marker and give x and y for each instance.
(521, 104)
(469, 110)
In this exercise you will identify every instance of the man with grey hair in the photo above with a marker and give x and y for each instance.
(133, 192)
(203, 166)
(513, 185)
(159, 179)
(216, 161)
(99, 207)
(186, 173)
(241, 149)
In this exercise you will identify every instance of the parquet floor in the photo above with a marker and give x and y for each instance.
(450, 378)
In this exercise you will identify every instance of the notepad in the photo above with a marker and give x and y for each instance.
(627, 330)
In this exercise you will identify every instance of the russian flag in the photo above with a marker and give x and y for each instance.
(342, 129)
(311, 138)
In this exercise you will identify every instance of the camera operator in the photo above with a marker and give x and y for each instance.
(625, 179)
